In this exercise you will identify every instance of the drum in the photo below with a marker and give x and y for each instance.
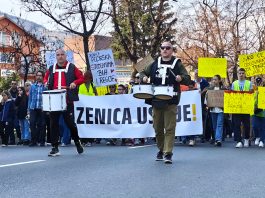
(143, 91)
(54, 100)
(163, 92)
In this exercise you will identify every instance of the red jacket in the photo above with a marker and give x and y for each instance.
(78, 74)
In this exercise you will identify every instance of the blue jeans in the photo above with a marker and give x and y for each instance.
(258, 124)
(24, 127)
(218, 123)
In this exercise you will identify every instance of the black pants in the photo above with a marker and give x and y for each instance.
(68, 116)
(207, 124)
(237, 119)
(5, 131)
(37, 126)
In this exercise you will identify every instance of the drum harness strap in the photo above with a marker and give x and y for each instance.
(163, 70)
(60, 79)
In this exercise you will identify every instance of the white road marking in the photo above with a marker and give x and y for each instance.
(21, 163)
(134, 147)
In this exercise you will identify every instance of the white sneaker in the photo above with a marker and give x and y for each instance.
(246, 142)
(257, 141)
(192, 143)
(88, 144)
(239, 145)
(261, 144)
(136, 141)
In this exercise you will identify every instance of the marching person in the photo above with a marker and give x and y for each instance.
(88, 89)
(217, 113)
(258, 119)
(36, 115)
(63, 75)
(201, 84)
(241, 85)
(164, 111)
(112, 91)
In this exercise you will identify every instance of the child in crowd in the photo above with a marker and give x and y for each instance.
(7, 116)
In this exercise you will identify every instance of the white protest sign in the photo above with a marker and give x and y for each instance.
(103, 67)
(50, 57)
(123, 116)
(7, 72)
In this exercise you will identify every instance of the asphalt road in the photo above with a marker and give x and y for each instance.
(114, 171)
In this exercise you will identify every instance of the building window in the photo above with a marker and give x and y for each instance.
(16, 39)
(5, 39)
(6, 58)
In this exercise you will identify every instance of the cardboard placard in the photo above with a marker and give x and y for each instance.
(215, 98)
(142, 64)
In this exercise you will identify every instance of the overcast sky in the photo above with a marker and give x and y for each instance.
(13, 7)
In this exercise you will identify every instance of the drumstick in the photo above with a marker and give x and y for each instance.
(172, 72)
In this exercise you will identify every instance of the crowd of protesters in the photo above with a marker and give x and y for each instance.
(22, 121)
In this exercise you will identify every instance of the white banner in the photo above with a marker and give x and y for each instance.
(123, 116)
(103, 67)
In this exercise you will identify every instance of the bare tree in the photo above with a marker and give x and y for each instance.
(79, 17)
(217, 28)
(23, 48)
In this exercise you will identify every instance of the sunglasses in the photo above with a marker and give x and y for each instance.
(165, 47)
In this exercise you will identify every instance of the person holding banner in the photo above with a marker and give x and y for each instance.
(87, 88)
(167, 70)
(241, 85)
(64, 75)
(258, 119)
(217, 113)
(112, 91)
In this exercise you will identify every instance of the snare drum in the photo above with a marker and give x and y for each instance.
(143, 91)
(54, 100)
(163, 92)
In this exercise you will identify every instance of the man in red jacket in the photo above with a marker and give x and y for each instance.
(63, 75)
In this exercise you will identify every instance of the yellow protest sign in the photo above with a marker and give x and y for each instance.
(254, 64)
(102, 90)
(261, 98)
(208, 67)
(237, 102)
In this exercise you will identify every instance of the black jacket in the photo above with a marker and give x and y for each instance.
(22, 104)
(179, 69)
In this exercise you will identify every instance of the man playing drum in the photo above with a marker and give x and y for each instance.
(64, 75)
(167, 71)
